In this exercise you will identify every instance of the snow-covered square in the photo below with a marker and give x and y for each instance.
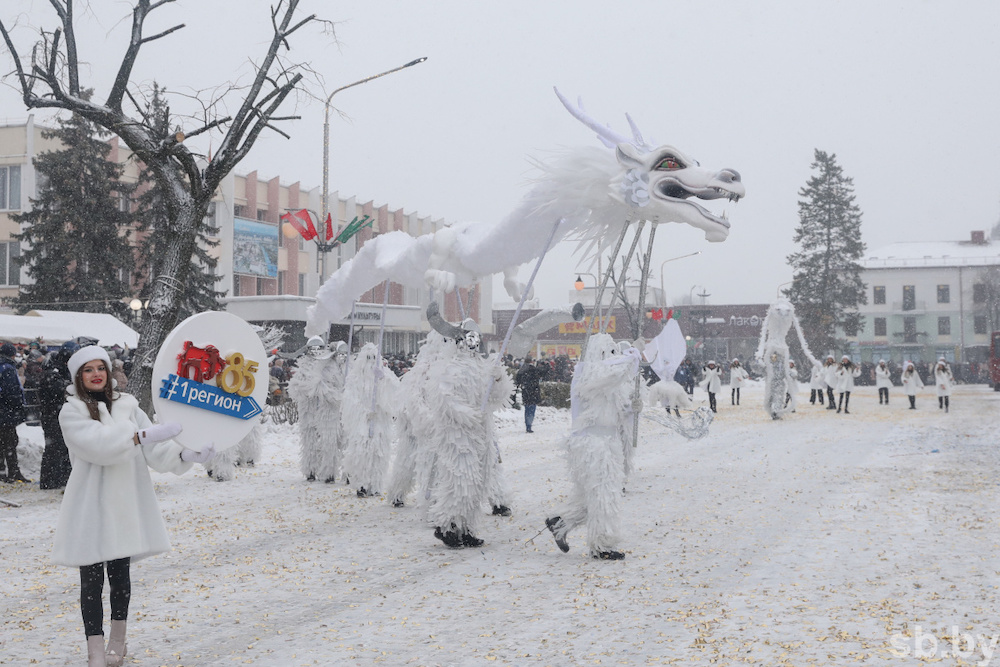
(817, 539)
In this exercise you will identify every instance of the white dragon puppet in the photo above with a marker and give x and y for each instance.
(590, 193)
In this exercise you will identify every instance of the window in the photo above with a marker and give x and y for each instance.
(880, 327)
(979, 324)
(302, 284)
(944, 293)
(878, 295)
(262, 215)
(239, 211)
(123, 203)
(10, 266)
(260, 287)
(236, 286)
(909, 297)
(10, 187)
(909, 330)
(979, 293)
(281, 282)
(944, 326)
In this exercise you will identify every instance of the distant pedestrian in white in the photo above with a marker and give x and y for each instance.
(943, 381)
(602, 413)
(816, 384)
(882, 381)
(737, 378)
(317, 389)
(465, 449)
(369, 427)
(712, 382)
(846, 373)
(911, 384)
(830, 380)
(792, 387)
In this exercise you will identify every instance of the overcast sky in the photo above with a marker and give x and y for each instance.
(904, 93)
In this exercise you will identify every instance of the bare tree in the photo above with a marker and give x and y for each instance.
(50, 79)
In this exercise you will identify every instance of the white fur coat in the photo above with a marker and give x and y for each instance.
(109, 509)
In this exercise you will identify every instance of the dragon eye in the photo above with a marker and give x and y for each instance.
(669, 163)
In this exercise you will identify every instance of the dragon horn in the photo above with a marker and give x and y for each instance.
(441, 325)
(608, 137)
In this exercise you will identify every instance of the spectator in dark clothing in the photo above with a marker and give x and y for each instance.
(12, 412)
(685, 376)
(528, 379)
(56, 465)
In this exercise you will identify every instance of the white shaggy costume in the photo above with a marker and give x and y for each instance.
(318, 389)
(369, 433)
(246, 453)
(670, 395)
(464, 444)
(109, 509)
(417, 423)
(602, 419)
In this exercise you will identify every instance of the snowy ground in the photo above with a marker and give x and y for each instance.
(821, 539)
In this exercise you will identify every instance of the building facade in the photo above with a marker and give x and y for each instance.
(929, 300)
(268, 272)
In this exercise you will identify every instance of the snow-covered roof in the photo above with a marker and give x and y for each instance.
(107, 329)
(907, 254)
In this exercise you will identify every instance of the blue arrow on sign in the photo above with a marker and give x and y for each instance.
(208, 397)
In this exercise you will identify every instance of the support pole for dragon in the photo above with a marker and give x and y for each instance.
(641, 307)
(378, 359)
(517, 312)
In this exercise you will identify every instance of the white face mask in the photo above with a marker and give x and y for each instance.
(472, 340)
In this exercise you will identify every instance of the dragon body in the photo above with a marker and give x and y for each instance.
(591, 194)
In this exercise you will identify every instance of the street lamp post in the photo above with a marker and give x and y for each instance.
(663, 293)
(326, 147)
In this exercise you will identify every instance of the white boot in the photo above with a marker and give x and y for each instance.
(95, 651)
(117, 649)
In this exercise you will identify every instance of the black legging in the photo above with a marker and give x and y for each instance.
(92, 590)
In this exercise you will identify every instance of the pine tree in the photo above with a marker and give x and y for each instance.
(826, 281)
(75, 242)
(157, 229)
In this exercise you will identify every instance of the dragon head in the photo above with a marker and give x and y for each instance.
(660, 183)
(664, 184)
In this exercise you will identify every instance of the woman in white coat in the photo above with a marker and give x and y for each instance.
(737, 378)
(830, 379)
(109, 514)
(882, 381)
(846, 372)
(911, 383)
(816, 384)
(713, 382)
(944, 381)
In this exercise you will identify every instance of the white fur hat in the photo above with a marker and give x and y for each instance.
(85, 354)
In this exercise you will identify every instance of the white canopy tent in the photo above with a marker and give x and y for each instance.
(56, 327)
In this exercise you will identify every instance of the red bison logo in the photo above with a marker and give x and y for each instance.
(198, 364)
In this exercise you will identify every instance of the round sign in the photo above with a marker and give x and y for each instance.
(211, 376)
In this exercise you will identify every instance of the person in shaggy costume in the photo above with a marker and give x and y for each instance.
(109, 515)
(602, 410)
(318, 389)
(244, 454)
(465, 453)
(368, 419)
(417, 421)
